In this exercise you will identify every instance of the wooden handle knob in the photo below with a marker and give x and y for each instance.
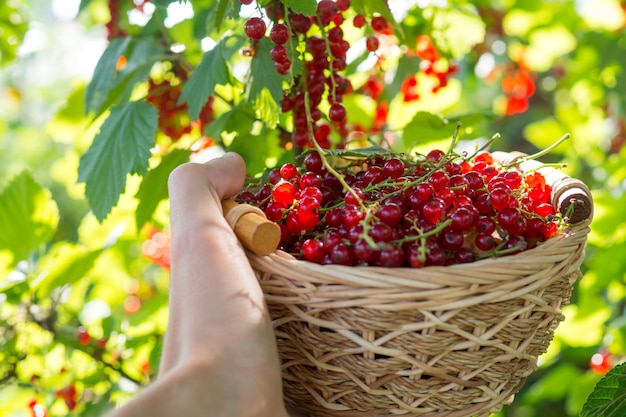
(570, 196)
(253, 230)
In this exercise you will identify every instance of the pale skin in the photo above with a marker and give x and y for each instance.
(219, 355)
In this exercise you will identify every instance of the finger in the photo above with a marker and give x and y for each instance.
(226, 174)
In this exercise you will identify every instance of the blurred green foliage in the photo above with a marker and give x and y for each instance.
(84, 160)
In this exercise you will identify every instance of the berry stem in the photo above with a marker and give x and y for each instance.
(323, 154)
(541, 152)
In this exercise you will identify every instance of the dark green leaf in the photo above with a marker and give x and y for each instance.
(222, 8)
(426, 127)
(212, 71)
(102, 80)
(111, 86)
(305, 7)
(28, 216)
(121, 147)
(153, 188)
(608, 398)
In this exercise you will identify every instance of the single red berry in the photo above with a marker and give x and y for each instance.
(246, 2)
(464, 256)
(544, 209)
(452, 240)
(343, 5)
(391, 256)
(433, 210)
(284, 192)
(274, 211)
(379, 24)
(439, 180)
(326, 11)
(435, 155)
(390, 214)
(300, 23)
(288, 171)
(337, 112)
(311, 180)
(255, 28)
(279, 34)
(279, 54)
(484, 156)
(372, 43)
(313, 250)
(83, 336)
(313, 162)
(359, 21)
(484, 242)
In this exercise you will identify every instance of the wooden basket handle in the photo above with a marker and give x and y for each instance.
(566, 191)
(252, 228)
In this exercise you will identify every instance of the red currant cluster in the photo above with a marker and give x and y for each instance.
(69, 396)
(324, 58)
(112, 26)
(432, 65)
(518, 86)
(395, 211)
(173, 118)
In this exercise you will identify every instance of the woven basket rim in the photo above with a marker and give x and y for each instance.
(569, 236)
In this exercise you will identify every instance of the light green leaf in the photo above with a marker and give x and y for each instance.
(28, 216)
(305, 7)
(608, 398)
(64, 264)
(267, 109)
(121, 147)
(13, 27)
(263, 74)
(426, 127)
(456, 31)
(212, 71)
(153, 188)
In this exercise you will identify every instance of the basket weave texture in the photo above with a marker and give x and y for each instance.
(453, 341)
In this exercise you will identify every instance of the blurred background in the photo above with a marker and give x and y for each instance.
(83, 302)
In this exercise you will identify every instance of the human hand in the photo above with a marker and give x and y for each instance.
(219, 353)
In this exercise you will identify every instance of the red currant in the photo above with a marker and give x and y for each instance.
(255, 28)
(279, 34)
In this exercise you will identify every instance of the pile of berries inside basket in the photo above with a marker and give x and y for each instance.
(390, 210)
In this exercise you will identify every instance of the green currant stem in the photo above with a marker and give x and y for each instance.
(455, 137)
(323, 154)
(485, 146)
(540, 153)
(424, 235)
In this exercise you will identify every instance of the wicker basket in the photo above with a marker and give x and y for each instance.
(454, 341)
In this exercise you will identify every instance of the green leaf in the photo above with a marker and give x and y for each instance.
(267, 109)
(13, 27)
(64, 264)
(212, 71)
(608, 398)
(121, 147)
(426, 127)
(28, 216)
(102, 80)
(153, 188)
(110, 85)
(263, 74)
(305, 7)
(456, 31)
